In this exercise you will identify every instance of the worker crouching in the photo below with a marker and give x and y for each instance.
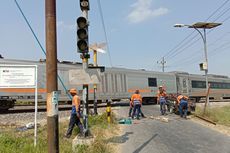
(183, 105)
(136, 101)
(75, 114)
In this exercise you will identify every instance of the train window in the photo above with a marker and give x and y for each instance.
(152, 82)
(220, 85)
(198, 84)
(214, 85)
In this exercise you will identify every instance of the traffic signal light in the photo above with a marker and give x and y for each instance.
(84, 4)
(82, 34)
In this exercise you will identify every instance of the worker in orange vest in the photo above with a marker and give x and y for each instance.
(75, 114)
(161, 99)
(136, 101)
(131, 106)
(182, 102)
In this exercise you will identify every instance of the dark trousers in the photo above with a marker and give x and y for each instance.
(136, 108)
(131, 109)
(162, 107)
(74, 120)
(183, 108)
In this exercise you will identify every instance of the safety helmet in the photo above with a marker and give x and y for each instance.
(73, 91)
(160, 86)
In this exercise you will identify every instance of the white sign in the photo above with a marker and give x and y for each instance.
(80, 77)
(17, 76)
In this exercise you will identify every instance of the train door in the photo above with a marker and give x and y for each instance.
(185, 85)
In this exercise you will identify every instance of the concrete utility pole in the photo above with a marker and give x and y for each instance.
(163, 62)
(51, 77)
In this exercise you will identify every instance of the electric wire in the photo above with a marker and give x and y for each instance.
(199, 51)
(192, 43)
(104, 29)
(173, 51)
(37, 40)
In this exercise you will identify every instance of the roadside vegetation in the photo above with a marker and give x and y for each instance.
(220, 115)
(12, 141)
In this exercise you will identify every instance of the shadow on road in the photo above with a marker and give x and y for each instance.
(144, 144)
(119, 139)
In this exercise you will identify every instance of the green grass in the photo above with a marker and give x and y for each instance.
(22, 142)
(220, 115)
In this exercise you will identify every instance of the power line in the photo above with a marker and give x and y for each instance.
(104, 29)
(193, 42)
(212, 53)
(36, 38)
(199, 51)
(217, 9)
(169, 53)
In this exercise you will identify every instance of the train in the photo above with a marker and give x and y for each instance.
(117, 83)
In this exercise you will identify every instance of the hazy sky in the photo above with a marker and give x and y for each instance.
(140, 32)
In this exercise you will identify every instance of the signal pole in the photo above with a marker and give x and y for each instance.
(163, 62)
(84, 49)
(95, 85)
(51, 76)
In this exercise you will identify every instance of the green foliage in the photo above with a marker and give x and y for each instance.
(220, 115)
(23, 142)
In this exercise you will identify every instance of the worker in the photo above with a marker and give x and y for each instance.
(182, 102)
(75, 114)
(131, 109)
(136, 101)
(161, 99)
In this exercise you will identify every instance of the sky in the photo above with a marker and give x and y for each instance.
(139, 33)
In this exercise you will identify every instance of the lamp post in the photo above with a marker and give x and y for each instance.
(204, 26)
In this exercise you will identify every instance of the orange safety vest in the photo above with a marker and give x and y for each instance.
(181, 97)
(135, 98)
(161, 94)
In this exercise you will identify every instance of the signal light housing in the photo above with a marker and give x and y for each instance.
(84, 4)
(82, 35)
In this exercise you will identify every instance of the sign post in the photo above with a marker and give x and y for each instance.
(21, 76)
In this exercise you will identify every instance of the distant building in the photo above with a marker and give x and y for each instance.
(1, 56)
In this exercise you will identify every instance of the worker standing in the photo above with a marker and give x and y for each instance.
(161, 99)
(75, 114)
(130, 107)
(182, 102)
(136, 101)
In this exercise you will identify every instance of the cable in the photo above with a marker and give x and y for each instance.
(192, 43)
(217, 9)
(199, 51)
(31, 29)
(222, 14)
(168, 54)
(104, 29)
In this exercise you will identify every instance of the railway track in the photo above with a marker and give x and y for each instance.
(42, 108)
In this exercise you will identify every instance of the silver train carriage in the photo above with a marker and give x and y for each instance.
(117, 84)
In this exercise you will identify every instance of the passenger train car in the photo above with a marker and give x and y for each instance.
(117, 84)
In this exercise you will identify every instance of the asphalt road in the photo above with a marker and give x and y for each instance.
(177, 136)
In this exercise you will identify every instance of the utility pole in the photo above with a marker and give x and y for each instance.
(51, 76)
(163, 62)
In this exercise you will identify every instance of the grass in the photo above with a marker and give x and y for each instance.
(220, 115)
(22, 142)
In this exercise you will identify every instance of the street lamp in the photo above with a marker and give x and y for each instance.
(204, 26)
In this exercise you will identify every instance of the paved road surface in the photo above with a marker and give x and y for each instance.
(176, 136)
